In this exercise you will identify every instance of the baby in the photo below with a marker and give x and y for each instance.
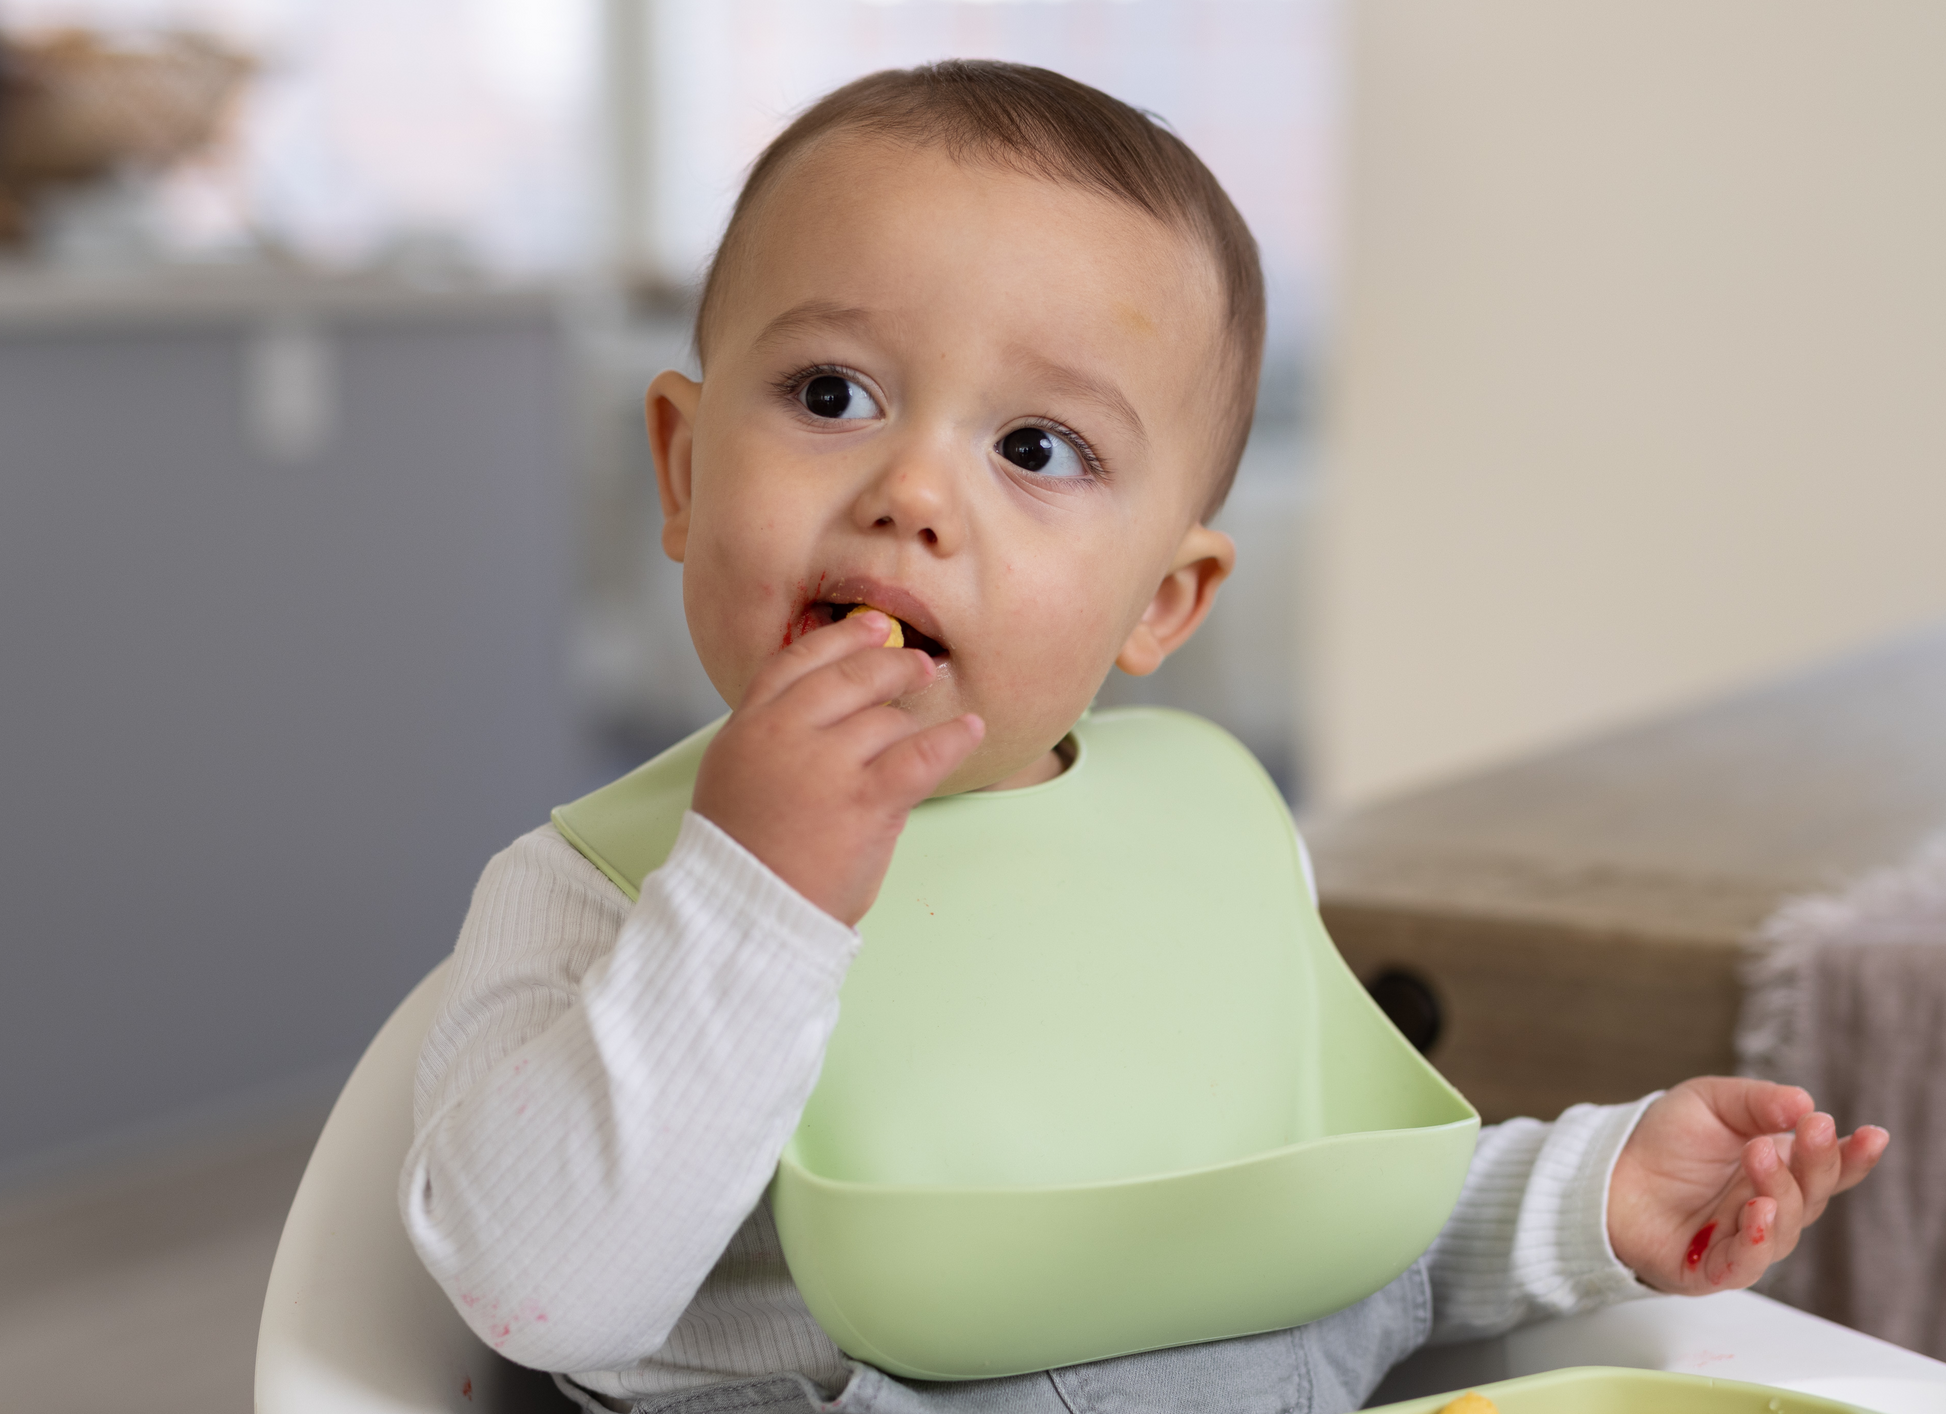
(979, 354)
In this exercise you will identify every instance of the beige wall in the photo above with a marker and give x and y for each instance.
(1640, 388)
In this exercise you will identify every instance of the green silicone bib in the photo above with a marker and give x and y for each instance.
(1100, 1083)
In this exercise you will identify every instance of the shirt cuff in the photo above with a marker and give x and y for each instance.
(709, 871)
(1573, 1171)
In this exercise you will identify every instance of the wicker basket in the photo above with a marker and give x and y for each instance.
(75, 106)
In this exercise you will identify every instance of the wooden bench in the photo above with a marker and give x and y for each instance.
(1577, 918)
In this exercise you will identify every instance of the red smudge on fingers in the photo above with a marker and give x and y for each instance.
(1698, 1245)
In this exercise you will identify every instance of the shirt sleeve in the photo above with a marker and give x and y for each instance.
(605, 1091)
(1529, 1236)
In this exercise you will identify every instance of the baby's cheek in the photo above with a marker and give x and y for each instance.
(1053, 664)
(735, 621)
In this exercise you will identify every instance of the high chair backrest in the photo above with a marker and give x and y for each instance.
(352, 1323)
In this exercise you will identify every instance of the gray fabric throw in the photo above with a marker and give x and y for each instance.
(1845, 994)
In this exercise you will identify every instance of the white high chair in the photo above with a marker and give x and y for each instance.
(352, 1323)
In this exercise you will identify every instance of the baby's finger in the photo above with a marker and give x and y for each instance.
(1773, 1179)
(1815, 1163)
(865, 735)
(910, 770)
(868, 678)
(1752, 1107)
(1859, 1154)
(1755, 1221)
(816, 649)
(1753, 1247)
(1734, 1252)
(1765, 1224)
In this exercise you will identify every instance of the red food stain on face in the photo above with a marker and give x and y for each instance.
(1698, 1245)
(807, 620)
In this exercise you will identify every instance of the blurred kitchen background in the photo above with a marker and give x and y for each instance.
(1605, 349)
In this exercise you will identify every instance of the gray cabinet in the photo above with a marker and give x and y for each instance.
(285, 580)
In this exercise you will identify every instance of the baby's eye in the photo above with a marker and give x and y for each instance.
(829, 395)
(1037, 450)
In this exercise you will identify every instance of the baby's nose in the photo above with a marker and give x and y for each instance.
(917, 495)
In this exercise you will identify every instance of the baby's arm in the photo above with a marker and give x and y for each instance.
(605, 1098)
(606, 1090)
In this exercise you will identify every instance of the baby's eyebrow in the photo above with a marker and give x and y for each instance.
(815, 315)
(1062, 381)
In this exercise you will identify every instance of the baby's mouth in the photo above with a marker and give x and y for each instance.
(830, 611)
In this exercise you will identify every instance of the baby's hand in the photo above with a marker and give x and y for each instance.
(814, 773)
(1720, 1178)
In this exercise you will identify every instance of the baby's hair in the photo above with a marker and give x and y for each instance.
(1037, 122)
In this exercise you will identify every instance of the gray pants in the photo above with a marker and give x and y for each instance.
(1327, 1367)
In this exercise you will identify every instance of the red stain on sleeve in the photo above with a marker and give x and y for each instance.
(1698, 1245)
(467, 1388)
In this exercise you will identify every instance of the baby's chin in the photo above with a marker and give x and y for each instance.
(1009, 774)
(1006, 759)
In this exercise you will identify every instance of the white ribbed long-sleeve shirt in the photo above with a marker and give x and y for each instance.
(606, 1089)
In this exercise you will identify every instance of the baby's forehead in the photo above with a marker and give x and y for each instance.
(892, 196)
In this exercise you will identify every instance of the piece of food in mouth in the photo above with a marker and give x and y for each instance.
(1472, 1402)
(894, 639)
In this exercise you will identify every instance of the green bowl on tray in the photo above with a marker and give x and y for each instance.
(1597, 1389)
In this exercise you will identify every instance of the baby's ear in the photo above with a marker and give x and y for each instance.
(670, 409)
(1202, 562)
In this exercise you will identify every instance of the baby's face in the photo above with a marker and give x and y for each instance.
(979, 401)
